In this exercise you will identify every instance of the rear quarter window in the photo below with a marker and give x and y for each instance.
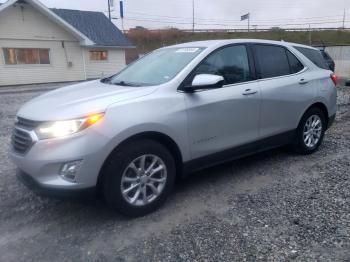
(314, 56)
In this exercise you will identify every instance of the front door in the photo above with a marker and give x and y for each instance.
(226, 117)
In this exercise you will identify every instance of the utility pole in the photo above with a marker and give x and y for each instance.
(248, 22)
(193, 16)
(310, 40)
(109, 10)
(344, 18)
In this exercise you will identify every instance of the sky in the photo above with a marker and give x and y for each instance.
(210, 14)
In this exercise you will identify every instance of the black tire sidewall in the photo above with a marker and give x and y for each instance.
(120, 159)
(300, 145)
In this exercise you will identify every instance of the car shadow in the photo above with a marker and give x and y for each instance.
(93, 207)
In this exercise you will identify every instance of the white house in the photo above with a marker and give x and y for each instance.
(42, 45)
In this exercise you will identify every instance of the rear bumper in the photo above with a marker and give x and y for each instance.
(40, 189)
(331, 120)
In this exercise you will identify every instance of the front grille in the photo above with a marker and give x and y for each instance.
(21, 141)
(26, 123)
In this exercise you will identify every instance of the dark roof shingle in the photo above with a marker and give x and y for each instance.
(95, 25)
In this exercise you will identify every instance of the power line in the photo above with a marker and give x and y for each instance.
(236, 23)
(237, 20)
(230, 24)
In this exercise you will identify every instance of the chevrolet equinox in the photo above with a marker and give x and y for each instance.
(174, 111)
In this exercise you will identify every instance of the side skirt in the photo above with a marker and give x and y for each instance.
(239, 152)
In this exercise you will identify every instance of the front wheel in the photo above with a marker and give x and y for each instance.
(310, 131)
(139, 177)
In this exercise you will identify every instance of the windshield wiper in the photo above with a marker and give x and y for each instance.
(106, 80)
(123, 83)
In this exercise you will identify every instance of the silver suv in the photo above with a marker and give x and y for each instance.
(174, 111)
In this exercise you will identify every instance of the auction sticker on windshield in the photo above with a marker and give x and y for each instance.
(187, 50)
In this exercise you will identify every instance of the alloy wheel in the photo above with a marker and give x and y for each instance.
(312, 131)
(143, 180)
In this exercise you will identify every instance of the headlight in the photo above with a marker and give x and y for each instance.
(64, 128)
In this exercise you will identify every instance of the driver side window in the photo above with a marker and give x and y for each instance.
(230, 62)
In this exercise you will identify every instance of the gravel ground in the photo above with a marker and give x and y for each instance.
(275, 206)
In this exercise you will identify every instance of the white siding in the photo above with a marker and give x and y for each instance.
(28, 23)
(31, 29)
(57, 71)
(341, 57)
(98, 69)
(27, 28)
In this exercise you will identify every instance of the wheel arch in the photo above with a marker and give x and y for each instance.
(321, 106)
(162, 138)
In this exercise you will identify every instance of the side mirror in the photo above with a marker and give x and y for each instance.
(205, 81)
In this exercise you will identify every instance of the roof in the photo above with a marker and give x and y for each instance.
(96, 26)
(216, 43)
(90, 28)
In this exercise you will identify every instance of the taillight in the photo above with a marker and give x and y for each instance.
(334, 79)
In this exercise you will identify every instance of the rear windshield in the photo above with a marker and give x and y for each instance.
(314, 55)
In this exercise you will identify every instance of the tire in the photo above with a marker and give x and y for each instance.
(302, 145)
(121, 175)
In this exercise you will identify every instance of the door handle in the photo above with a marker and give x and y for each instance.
(303, 81)
(248, 92)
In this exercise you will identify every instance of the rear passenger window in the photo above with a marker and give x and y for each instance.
(272, 60)
(314, 55)
(295, 65)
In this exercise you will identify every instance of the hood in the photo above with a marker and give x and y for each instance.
(79, 100)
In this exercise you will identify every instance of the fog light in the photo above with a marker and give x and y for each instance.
(69, 170)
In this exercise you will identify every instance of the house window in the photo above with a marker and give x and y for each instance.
(26, 56)
(98, 55)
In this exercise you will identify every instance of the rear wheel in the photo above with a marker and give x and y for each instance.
(310, 132)
(139, 177)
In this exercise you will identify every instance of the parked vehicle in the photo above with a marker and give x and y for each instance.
(176, 110)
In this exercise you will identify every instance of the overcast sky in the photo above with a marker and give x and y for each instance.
(219, 13)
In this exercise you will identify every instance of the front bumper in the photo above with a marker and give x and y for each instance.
(40, 189)
(41, 165)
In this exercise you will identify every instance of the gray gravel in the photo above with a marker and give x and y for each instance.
(274, 206)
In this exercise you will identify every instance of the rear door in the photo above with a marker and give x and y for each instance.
(285, 89)
(226, 117)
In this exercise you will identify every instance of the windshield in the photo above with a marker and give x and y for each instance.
(156, 68)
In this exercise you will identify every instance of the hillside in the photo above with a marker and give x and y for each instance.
(147, 40)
